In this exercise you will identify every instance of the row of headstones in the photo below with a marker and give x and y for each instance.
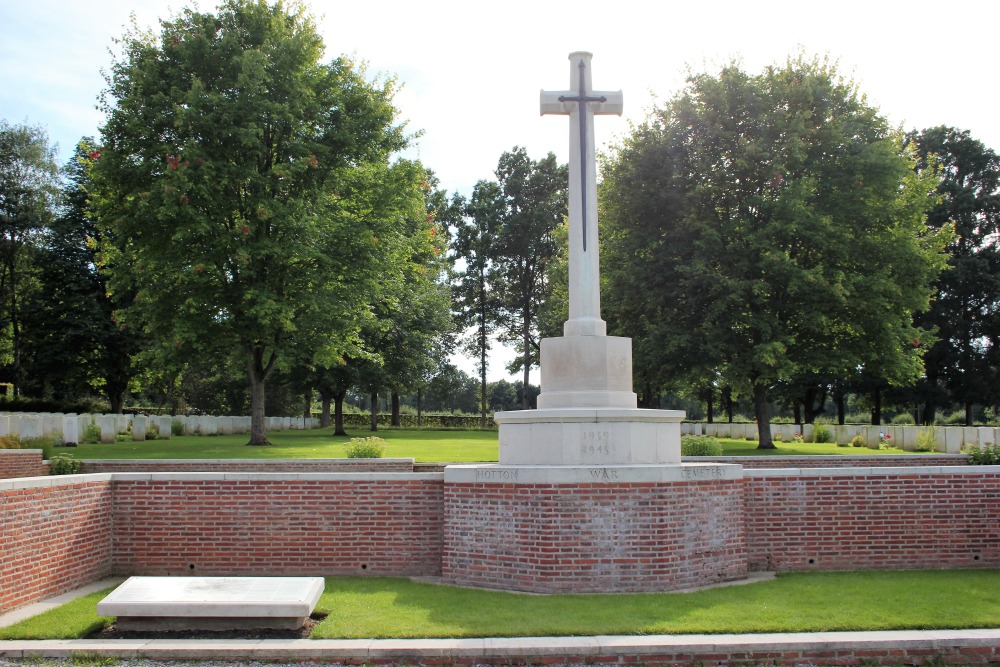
(947, 439)
(72, 428)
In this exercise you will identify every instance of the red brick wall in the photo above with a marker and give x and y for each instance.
(816, 521)
(21, 463)
(278, 527)
(247, 465)
(53, 538)
(593, 537)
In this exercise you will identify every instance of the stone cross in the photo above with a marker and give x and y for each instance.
(581, 104)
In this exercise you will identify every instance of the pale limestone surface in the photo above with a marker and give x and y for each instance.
(562, 474)
(580, 436)
(171, 602)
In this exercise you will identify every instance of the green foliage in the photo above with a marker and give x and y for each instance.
(858, 441)
(366, 448)
(903, 419)
(984, 455)
(518, 214)
(10, 442)
(64, 464)
(700, 445)
(91, 433)
(176, 427)
(969, 187)
(797, 438)
(255, 209)
(926, 439)
(742, 219)
(821, 433)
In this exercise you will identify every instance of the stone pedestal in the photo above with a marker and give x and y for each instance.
(590, 436)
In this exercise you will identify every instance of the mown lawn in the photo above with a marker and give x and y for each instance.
(422, 445)
(363, 607)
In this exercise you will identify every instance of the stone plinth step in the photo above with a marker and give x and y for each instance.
(212, 603)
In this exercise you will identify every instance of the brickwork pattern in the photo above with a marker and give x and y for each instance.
(597, 538)
(53, 538)
(22, 463)
(288, 527)
(247, 465)
(876, 521)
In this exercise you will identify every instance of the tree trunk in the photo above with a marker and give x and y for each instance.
(930, 412)
(710, 404)
(839, 399)
(258, 424)
(374, 403)
(324, 415)
(482, 370)
(307, 404)
(968, 414)
(797, 410)
(338, 413)
(420, 411)
(763, 414)
(116, 400)
(16, 335)
(395, 421)
(727, 403)
(526, 341)
(876, 407)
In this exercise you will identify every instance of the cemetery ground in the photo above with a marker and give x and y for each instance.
(423, 445)
(384, 607)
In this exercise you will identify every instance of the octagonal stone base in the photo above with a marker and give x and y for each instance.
(590, 436)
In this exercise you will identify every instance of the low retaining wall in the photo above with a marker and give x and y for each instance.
(612, 530)
(55, 535)
(877, 518)
(22, 463)
(278, 524)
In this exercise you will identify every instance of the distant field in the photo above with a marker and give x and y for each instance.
(424, 446)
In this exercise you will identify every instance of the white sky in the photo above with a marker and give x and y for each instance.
(472, 70)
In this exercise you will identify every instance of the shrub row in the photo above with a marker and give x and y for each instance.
(359, 421)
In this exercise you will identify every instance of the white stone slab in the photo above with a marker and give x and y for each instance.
(177, 600)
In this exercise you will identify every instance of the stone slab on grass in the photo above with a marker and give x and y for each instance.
(212, 603)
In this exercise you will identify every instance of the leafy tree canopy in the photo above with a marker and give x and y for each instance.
(248, 185)
(764, 227)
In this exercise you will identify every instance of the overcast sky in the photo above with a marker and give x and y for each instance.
(472, 70)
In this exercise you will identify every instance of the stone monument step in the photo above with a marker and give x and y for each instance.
(212, 603)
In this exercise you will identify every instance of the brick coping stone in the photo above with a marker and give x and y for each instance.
(526, 649)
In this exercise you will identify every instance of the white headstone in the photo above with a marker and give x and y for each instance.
(71, 429)
(109, 431)
(166, 426)
(139, 428)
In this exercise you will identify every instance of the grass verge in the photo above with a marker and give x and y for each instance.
(73, 620)
(378, 607)
(422, 445)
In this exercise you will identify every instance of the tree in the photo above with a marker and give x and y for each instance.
(522, 212)
(248, 184)
(72, 339)
(28, 189)
(473, 294)
(766, 228)
(966, 310)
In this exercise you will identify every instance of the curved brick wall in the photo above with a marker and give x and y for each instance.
(247, 465)
(594, 538)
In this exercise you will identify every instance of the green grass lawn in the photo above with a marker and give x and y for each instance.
(363, 607)
(422, 445)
